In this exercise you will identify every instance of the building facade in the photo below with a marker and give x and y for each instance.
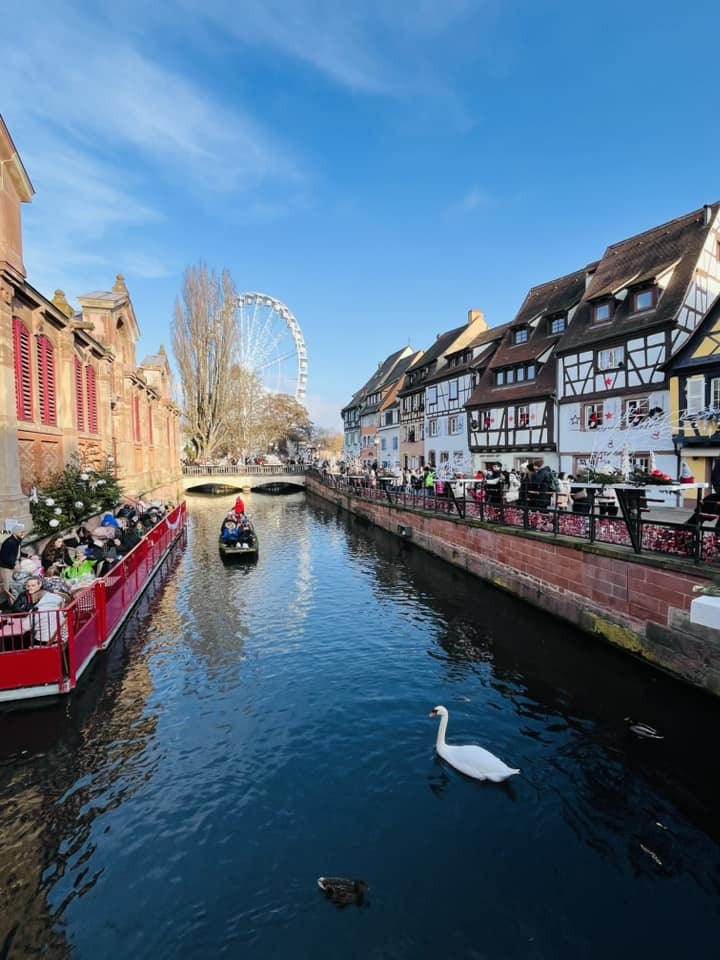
(73, 387)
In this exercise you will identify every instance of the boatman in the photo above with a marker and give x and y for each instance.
(239, 508)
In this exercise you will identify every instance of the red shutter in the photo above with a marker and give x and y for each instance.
(136, 418)
(91, 387)
(23, 374)
(46, 381)
(79, 399)
(150, 425)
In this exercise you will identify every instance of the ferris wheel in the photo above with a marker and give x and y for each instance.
(271, 345)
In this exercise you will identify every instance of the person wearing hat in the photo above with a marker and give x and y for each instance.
(9, 552)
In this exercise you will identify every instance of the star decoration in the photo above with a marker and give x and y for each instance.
(608, 416)
(608, 381)
(575, 420)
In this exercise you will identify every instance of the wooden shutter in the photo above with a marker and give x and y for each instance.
(79, 398)
(91, 388)
(695, 394)
(136, 418)
(23, 372)
(47, 392)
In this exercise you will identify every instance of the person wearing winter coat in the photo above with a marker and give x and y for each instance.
(9, 552)
(44, 621)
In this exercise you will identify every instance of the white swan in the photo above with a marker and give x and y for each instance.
(469, 759)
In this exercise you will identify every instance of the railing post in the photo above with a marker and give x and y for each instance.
(101, 612)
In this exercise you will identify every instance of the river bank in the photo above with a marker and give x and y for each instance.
(638, 603)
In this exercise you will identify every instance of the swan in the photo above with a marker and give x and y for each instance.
(343, 891)
(468, 759)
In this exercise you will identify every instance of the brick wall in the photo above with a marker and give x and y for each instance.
(638, 603)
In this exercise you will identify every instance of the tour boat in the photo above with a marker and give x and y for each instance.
(245, 549)
(50, 657)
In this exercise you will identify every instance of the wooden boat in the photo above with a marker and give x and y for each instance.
(245, 549)
(50, 657)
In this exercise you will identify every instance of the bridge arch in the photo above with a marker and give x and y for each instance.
(265, 478)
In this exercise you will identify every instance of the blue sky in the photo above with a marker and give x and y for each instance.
(380, 167)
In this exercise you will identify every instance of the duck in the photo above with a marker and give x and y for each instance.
(644, 730)
(343, 891)
(470, 759)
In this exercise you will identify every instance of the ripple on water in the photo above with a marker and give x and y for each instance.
(268, 724)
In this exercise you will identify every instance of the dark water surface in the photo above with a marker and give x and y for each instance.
(258, 727)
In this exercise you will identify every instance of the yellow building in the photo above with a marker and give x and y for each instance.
(70, 378)
(695, 398)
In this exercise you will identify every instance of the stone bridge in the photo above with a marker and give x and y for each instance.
(269, 477)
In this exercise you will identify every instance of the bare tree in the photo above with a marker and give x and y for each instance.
(204, 342)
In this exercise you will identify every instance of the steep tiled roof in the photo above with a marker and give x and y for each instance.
(388, 370)
(546, 300)
(675, 245)
(489, 338)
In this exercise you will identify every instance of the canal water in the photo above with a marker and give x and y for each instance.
(259, 726)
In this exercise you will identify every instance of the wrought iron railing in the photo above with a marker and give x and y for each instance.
(696, 542)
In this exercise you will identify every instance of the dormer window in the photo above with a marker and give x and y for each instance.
(520, 335)
(601, 312)
(557, 324)
(643, 300)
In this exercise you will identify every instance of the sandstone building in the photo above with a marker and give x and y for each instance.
(70, 379)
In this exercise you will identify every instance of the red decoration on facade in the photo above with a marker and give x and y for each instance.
(608, 381)
(608, 416)
(46, 381)
(79, 399)
(23, 372)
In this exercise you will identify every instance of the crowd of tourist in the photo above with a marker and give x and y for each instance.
(72, 561)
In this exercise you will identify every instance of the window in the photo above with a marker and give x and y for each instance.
(383, 444)
(23, 373)
(46, 381)
(610, 359)
(592, 416)
(395, 444)
(136, 419)
(520, 335)
(643, 300)
(79, 399)
(388, 418)
(453, 390)
(695, 394)
(715, 393)
(91, 391)
(557, 324)
(601, 312)
(432, 428)
(640, 461)
(454, 425)
(444, 456)
(432, 396)
(635, 411)
(522, 416)
(517, 374)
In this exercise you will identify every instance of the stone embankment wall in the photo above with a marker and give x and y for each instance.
(638, 603)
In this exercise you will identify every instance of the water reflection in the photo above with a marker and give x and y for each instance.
(269, 724)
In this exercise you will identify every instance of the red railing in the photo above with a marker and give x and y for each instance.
(50, 649)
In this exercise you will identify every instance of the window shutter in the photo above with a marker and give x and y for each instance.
(150, 425)
(91, 388)
(46, 381)
(136, 418)
(23, 373)
(79, 399)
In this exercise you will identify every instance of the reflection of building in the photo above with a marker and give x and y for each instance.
(77, 386)
(695, 397)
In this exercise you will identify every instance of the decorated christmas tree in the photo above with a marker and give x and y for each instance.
(75, 493)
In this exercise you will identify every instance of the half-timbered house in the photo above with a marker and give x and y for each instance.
(447, 392)
(360, 416)
(413, 451)
(644, 300)
(512, 409)
(695, 398)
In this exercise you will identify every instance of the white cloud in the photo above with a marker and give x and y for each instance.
(475, 198)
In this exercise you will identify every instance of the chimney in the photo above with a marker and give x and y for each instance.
(474, 315)
(708, 214)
